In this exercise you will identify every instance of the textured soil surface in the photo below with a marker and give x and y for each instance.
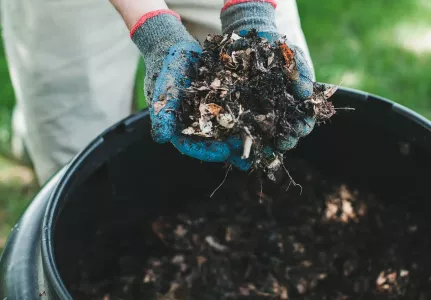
(243, 87)
(324, 241)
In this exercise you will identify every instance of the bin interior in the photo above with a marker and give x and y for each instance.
(114, 203)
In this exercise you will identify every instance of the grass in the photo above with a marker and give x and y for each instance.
(17, 187)
(379, 46)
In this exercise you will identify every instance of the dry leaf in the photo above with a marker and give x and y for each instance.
(203, 70)
(291, 71)
(226, 120)
(275, 164)
(381, 279)
(189, 131)
(214, 244)
(283, 293)
(287, 53)
(307, 263)
(235, 37)
(206, 126)
(301, 287)
(203, 88)
(225, 39)
(216, 84)
(392, 277)
(225, 58)
(158, 106)
(180, 231)
(201, 260)
(331, 91)
(178, 259)
(235, 55)
(271, 59)
(244, 291)
(214, 109)
(149, 277)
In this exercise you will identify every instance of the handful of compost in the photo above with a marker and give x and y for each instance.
(244, 87)
(244, 97)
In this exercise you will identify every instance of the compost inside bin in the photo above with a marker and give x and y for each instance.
(260, 240)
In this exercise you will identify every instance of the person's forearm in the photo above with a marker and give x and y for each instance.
(132, 10)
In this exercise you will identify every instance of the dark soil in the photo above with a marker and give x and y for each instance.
(330, 242)
(243, 87)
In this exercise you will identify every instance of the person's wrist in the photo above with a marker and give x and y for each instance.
(132, 10)
(244, 15)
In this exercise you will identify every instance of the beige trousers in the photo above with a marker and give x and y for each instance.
(73, 68)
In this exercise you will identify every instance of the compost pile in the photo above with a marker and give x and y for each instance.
(243, 87)
(331, 242)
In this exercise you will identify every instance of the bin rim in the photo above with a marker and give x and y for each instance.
(48, 256)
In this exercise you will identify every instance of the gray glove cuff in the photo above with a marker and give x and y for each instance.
(257, 15)
(158, 33)
(154, 35)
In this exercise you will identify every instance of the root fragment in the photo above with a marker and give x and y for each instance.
(248, 142)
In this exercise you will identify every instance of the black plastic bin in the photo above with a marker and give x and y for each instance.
(123, 177)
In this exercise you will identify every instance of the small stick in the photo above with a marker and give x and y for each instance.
(247, 131)
(241, 111)
(344, 108)
(230, 111)
(248, 142)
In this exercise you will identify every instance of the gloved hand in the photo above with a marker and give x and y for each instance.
(240, 16)
(170, 54)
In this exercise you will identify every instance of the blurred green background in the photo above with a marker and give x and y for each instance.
(379, 46)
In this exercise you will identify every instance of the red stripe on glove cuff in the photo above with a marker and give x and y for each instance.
(234, 2)
(150, 15)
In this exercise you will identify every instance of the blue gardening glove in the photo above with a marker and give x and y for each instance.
(241, 16)
(170, 54)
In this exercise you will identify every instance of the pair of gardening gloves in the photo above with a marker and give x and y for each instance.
(170, 54)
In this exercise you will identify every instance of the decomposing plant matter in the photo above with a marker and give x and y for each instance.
(336, 241)
(244, 87)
